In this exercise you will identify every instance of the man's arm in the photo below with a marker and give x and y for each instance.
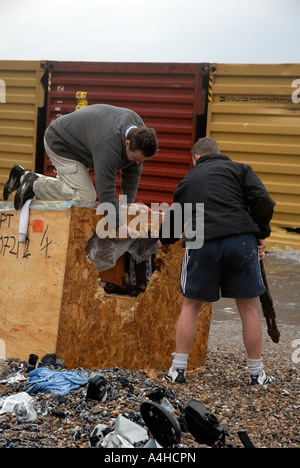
(168, 233)
(260, 203)
(130, 178)
(105, 170)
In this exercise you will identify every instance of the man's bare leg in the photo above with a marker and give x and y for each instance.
(187, 324)
(252, 334)
(185, 334)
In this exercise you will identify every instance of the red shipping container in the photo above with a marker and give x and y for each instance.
(169, 97)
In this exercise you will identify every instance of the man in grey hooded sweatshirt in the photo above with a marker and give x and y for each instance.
(100, 137)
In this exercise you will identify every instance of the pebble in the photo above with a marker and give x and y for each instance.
(269, 415)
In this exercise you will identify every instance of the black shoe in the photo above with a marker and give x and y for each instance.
(13, 182)
(261, 379)
(25, 191)
(176, 375)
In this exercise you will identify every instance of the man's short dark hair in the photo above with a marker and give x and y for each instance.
(143, 139)
(204, 146)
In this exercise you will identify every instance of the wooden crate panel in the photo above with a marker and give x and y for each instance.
(32, 276)
(51, 299)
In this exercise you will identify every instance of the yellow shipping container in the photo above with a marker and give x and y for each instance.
(254, 114)
(21, 95)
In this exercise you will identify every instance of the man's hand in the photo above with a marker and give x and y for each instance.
(139, 207)
(261, 248)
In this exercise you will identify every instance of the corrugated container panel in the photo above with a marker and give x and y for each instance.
(21, 96)
(254, 114)
(168, 97)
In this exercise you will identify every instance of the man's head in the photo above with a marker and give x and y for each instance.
(141, 143)
(203, 147)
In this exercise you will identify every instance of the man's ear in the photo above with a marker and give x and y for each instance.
(195, 158)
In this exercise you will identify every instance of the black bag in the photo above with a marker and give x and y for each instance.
(160, 423)
(97, 389)
(204, 426)
(194, 418)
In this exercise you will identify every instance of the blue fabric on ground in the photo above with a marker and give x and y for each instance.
(61, 382)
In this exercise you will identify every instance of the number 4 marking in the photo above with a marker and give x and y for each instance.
(45, 247)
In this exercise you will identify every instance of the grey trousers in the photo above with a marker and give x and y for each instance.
(73, 180)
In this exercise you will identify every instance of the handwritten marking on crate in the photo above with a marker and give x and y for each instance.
(10, 245)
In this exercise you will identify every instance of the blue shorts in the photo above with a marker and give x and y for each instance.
(229, 266)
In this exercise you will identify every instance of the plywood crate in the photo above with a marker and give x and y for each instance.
(51, 300)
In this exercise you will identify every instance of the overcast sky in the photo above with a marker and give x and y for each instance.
(229, 31)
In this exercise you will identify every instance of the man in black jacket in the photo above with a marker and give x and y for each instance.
(237, 213)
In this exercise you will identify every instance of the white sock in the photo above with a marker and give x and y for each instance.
(179, 361)
(255, 366)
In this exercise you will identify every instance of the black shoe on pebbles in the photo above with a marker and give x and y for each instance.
(262, 379)
(13, 182)
(176, 375)
(25, 191)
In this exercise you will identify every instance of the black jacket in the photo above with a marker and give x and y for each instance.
(235, 200)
